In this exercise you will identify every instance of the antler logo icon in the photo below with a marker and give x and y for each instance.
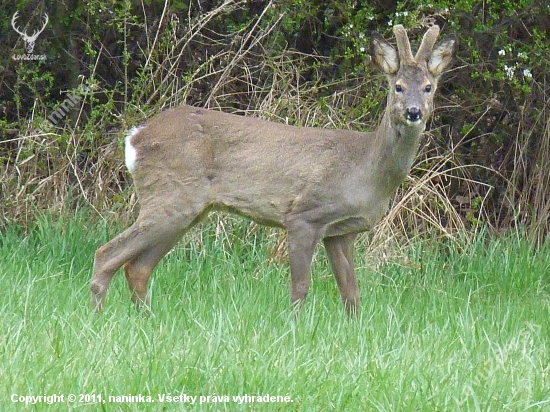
(29, 40)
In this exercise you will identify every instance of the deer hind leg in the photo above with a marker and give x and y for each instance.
(140, 247)
(340, 255)
(139, 269)
(110, 257)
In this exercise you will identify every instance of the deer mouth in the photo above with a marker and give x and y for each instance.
(413, 115)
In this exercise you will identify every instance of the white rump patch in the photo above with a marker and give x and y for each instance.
(130, 153)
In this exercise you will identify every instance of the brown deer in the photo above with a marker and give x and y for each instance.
(316, 183)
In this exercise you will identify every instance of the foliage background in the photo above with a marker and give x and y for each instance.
(484, 160)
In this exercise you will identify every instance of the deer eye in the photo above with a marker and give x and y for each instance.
(428, 88)
(398, 88)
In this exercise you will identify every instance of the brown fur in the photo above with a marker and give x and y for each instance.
(316, 183)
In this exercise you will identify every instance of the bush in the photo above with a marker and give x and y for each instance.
(304, 62)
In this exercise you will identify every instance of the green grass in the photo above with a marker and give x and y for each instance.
(441, 329)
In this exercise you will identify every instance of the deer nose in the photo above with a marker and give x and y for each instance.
(414, 114)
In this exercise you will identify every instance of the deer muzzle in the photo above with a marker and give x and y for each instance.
(413, 115)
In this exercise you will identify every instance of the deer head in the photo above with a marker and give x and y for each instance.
(412, 79)
(29, 40)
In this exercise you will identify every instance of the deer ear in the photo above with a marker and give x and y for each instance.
(384, 54)
(442, 55)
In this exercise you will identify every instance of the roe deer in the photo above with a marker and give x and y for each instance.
(316, 183)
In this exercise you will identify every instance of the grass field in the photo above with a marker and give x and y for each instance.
(442, 327)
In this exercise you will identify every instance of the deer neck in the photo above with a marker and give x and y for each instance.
(396, 146)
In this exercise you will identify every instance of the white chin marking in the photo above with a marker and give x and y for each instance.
(130, 153)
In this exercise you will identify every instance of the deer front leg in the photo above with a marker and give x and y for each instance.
(340, 255)
(302, 238)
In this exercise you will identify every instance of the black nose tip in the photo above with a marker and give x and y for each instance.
(414, 114)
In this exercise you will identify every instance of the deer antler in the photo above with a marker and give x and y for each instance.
(427, 44)
(404, 47)
(35, 34)
(29, 39)
(13, 20)
(403, 44)
(46, 20)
